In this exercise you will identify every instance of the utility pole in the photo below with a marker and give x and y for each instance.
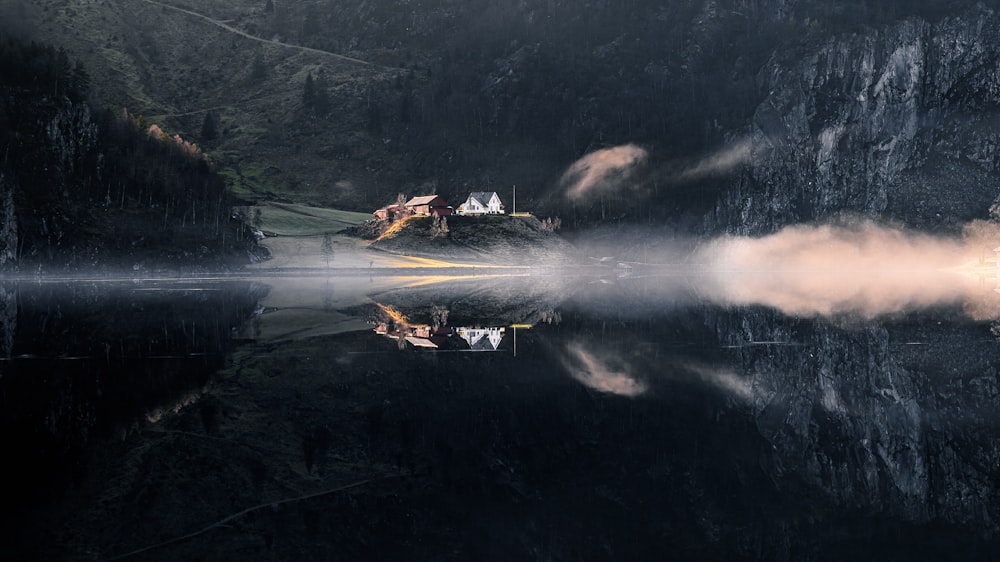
(515, 199)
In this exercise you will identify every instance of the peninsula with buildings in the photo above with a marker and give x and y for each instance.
(479, 229)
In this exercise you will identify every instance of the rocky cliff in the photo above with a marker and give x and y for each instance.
(896, 121)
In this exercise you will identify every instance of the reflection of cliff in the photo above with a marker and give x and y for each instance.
(889, 419)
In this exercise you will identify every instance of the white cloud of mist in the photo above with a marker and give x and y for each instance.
(721, 161)
(610, 169)
(604, 375)
(602, 170)
(862, 269)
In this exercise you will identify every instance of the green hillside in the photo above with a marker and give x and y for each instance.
(286, 219)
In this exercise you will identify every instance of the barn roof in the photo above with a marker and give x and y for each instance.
(422, 200)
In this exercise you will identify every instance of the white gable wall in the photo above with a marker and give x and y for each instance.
(474, 206)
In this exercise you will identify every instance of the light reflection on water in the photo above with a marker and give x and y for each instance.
(858, 412)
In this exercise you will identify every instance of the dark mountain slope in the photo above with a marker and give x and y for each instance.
(450, 97)
(457, 95)
(79, 190)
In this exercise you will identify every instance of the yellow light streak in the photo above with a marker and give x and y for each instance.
(415, 262)
(422, 280)
(396, 227)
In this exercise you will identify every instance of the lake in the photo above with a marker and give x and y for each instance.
(499, 414)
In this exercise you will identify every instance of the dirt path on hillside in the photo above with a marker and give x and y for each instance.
(239, 32)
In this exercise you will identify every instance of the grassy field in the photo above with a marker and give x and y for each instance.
(300, 220)
(295, 236)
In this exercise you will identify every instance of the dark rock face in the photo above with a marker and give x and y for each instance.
(860, 123)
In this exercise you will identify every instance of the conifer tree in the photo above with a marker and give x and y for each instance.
(209, 127)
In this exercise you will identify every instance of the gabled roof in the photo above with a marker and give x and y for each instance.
(484, 344)
(483, 196)
(422, 200)
(420, 342)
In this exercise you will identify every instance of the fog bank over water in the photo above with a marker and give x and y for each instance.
(863, 268)
(855, 268)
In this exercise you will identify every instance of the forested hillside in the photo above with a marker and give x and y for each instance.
(83, 188)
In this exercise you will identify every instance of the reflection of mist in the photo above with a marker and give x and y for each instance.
(608, 374)
(601, 170)
(606, 371)
(723, 379)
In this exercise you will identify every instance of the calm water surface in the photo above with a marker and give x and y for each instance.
(540, 416)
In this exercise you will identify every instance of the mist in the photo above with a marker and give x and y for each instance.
(853, 268)
(720, 161)
(601, 171)
(860, 269)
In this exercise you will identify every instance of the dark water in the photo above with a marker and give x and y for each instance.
(548, 417)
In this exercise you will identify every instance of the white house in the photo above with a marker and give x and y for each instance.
(482, 339)
(481, 203)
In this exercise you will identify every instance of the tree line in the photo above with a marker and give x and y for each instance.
(95, 187)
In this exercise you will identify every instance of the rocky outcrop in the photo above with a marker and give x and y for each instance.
(855, 124)
(489, 240)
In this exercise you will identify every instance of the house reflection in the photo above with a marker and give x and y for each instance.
(417, 335)
(395, 325)
(482, 339)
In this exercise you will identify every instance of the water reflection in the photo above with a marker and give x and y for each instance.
(395, 325)
(638, 418)
(605, 372)
(88, 359)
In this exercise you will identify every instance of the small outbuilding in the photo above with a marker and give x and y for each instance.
(481, 203)
(392, 213)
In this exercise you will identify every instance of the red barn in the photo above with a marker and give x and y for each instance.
(433, 205)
